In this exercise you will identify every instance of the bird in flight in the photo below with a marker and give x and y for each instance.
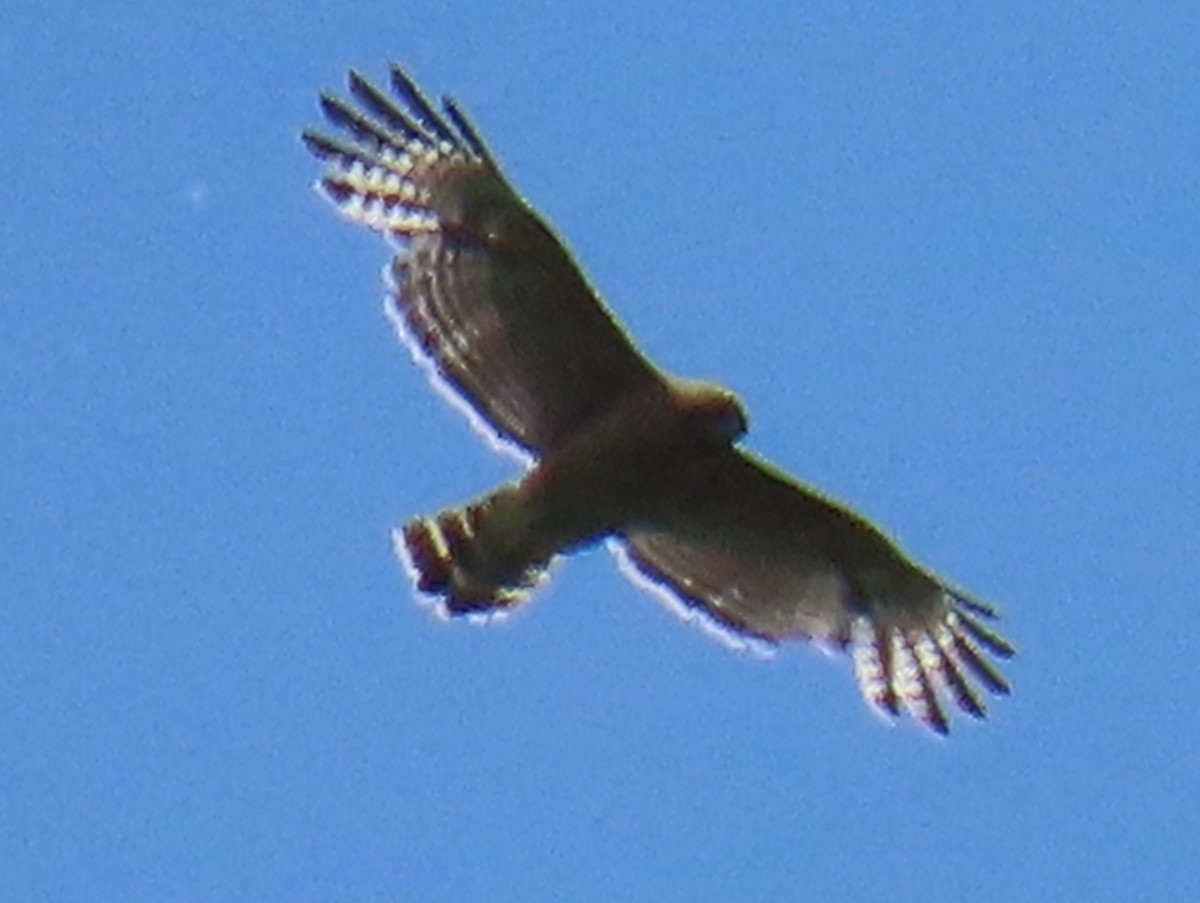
(496, 310)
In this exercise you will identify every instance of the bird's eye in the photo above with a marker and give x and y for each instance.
(733, 421)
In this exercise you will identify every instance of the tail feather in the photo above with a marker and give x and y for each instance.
(471, 558)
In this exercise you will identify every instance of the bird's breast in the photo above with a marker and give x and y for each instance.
(622, 469)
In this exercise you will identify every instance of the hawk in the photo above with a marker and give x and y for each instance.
(495, 308)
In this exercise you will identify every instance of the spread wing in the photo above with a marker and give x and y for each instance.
(768, 558)
(481, 288)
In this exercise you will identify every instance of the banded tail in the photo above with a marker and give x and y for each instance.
(476, 558)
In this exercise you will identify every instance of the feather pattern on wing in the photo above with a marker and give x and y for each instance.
(481, 288)
(768, 558)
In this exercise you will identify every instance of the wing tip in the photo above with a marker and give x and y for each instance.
(914, 671)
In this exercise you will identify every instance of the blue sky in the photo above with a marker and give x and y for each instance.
(948, 258)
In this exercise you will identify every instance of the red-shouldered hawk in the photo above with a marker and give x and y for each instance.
(489, 299)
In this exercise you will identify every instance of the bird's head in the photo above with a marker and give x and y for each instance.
(715, 411)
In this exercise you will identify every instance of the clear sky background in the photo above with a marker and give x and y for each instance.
(949, 258)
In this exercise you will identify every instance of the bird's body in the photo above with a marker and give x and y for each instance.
(619, 472)
(488, 297)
